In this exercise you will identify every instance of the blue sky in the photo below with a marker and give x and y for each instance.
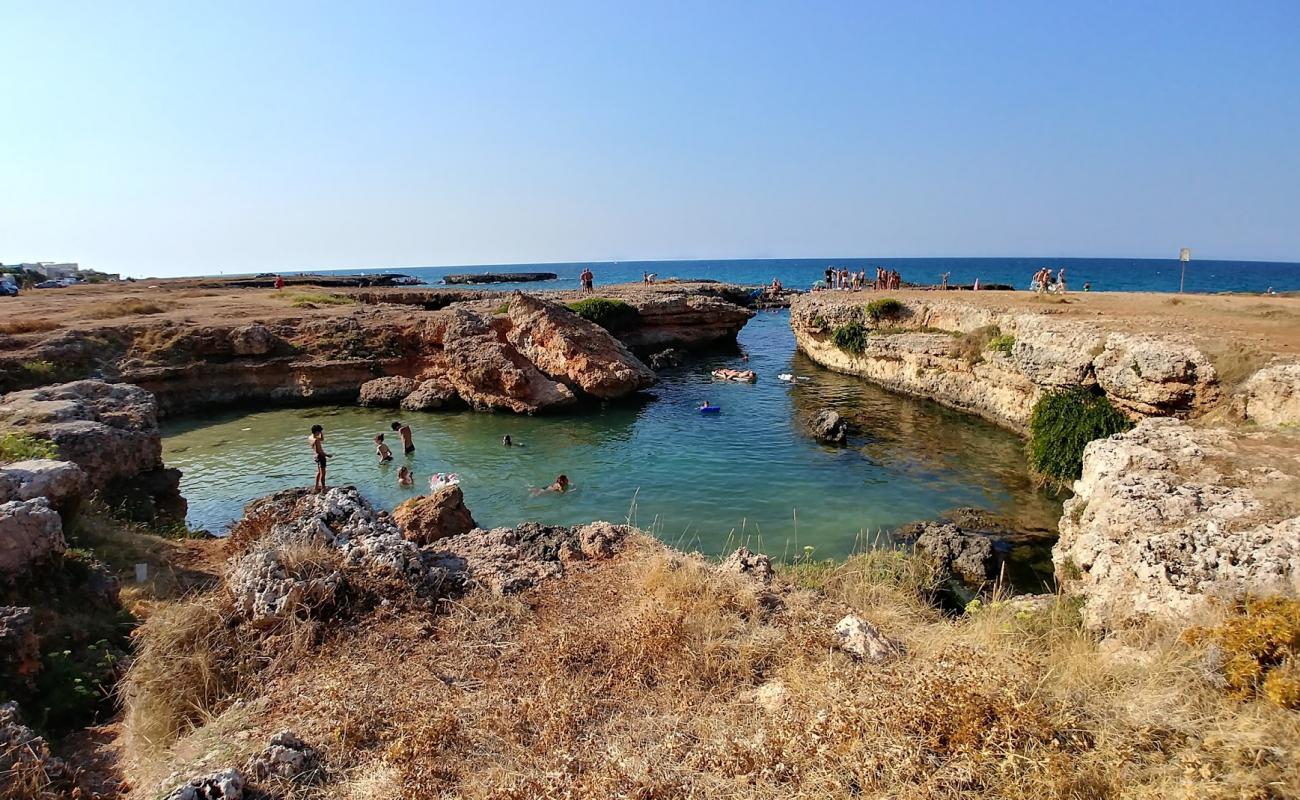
(186, 138)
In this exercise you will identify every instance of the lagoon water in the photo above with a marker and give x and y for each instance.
(749, 474)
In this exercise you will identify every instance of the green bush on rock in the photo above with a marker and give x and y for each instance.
(1003, 343)
(884, 308)
(851, 337)
(1062, 424)
(22, 447)
(612, 315)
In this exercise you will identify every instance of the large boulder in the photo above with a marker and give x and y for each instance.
(510, 560)
(432, 395)
(1168, 515)
(1271, 396)
(969, 557)
(30, 533)
(386, 392)
(426, 519)
(828, 426)
(1156, 376)
(63, 483)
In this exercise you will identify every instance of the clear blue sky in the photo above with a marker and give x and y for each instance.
(194, 137)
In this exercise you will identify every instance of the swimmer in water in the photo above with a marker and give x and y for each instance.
(561, 485)
(381, 450)
(405, 477)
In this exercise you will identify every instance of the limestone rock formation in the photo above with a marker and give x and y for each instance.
(685, 320)
(227, 784)
(63, 483)
(386, 392)
(253, 340)
(1271, 396)
(30, 533)
(436, 516)
(828, 426)
(25, 759)
(432, 395)
(1168, 515)
(1153, 375)
(967, 556)
(751, 565)
(287, 757)
(510, 560)
(864, 641)
(20, 654)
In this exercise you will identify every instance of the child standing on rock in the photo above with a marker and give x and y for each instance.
(322, 458)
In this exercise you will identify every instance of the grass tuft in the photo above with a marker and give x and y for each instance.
(127, 307)
(17, 326)
(884, 308)
(612, 315)
(851, 337)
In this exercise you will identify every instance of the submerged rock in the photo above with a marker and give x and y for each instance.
(666, 359)
(864, 641)
(828, 426)
(436, 516)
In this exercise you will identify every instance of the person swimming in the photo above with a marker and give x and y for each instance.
(561, 485)
(405, 477)
(408, 442)
(505, 441)
(381, 450)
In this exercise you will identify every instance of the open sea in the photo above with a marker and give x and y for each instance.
(1104, 274)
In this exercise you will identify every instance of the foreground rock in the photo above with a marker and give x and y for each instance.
(224, 785)
(1271, 396)
(20, 654)
(426, 519)
(63, 483)
(31, 533)
(287, 758)
(969, 557)
(750, 565)
(26, 764)
(864, 641)
(510, 560)
(1169, 515)
(108, 430)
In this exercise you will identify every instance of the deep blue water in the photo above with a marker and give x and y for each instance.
(1105, 274)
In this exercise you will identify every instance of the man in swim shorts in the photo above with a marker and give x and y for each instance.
(322, 458)
(404, 430)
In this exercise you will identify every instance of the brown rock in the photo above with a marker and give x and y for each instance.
(426, 519)
(386, 392)
(432, 395)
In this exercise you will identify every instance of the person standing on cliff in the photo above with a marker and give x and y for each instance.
(404, 430)
(588, 281)
(322, 458)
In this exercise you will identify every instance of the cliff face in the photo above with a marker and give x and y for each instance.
(997, 364)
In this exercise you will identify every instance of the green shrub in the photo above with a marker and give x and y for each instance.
(1002, 343)
(22, 447)
(851, 337)
(612, 315)
(313, 300)
(1062, 424)
(884, 308)
(970, 346)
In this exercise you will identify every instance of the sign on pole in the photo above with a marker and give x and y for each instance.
(1184, 255)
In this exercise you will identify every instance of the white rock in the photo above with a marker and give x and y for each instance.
(864, 641)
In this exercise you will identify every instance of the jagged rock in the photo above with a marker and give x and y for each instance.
(30, 533)
(1053, 353)
(426, 519)
(386, 392)
(432, 395)
(681, 319)
(286, 757)
(749, 564)
(1271, 396)
(864, 641)
(665, 359)
(267, 582)
(25, 759)
(228, 784)
(1168, 515)
(968, 556)
(828, 426)
(20, 653)
(1154, 375)
(252, 340)
(510, 560)
(63, 483)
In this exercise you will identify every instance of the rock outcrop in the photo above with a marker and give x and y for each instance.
(828, 426)
(970, 557)
(108, 430)
(227, 784)
(436, 516)
(287, 758)
(432, 395)
(750, 565)
(1169, 515)
(31, 533)
(386, 392)
(684, 320)
(1271, 396)
(998, 364)
(864, 641)
(510, 560)
(63, 483)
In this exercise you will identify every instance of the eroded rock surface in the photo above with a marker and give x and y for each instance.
(436, 516)
(25, 759)
(828, 426)
(750, 565)
(864, 641)
(1155, 375)
(227, 784)
(1271, 396)
(510, 560)
(386, 392)
(1169, 514)
(31, 533)
(967, 556)
(63, 483)
(20, 654)
(286, 757)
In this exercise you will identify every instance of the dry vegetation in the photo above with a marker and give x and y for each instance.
(127, 307)
(17, 326)
(655, 676)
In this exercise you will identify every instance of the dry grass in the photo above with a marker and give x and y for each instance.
(17, 326)
(127, 307)
(970, 347)
(639, 678)
(1235, 362)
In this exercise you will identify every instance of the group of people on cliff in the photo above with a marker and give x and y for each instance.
(1042, 282)
(854, 281)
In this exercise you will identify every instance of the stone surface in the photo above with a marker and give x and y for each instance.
(1168, 515)
(227, 784)
(386, 392)
(750, 565)
(828, 426)
(20, 653)
(864, 641)
(436, 516)
(252, 340)
(666, 359)
(63, 483)
(969, 557)
(287, 757)
(31, 533)
(25, 760)
(510, 560)
(1155, 375)
(432, 395)
(1271, 396)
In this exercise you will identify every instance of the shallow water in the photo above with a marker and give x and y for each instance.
(749, 474)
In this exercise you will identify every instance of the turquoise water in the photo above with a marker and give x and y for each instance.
(706, 482)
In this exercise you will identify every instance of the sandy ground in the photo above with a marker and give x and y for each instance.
(1267, 324)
